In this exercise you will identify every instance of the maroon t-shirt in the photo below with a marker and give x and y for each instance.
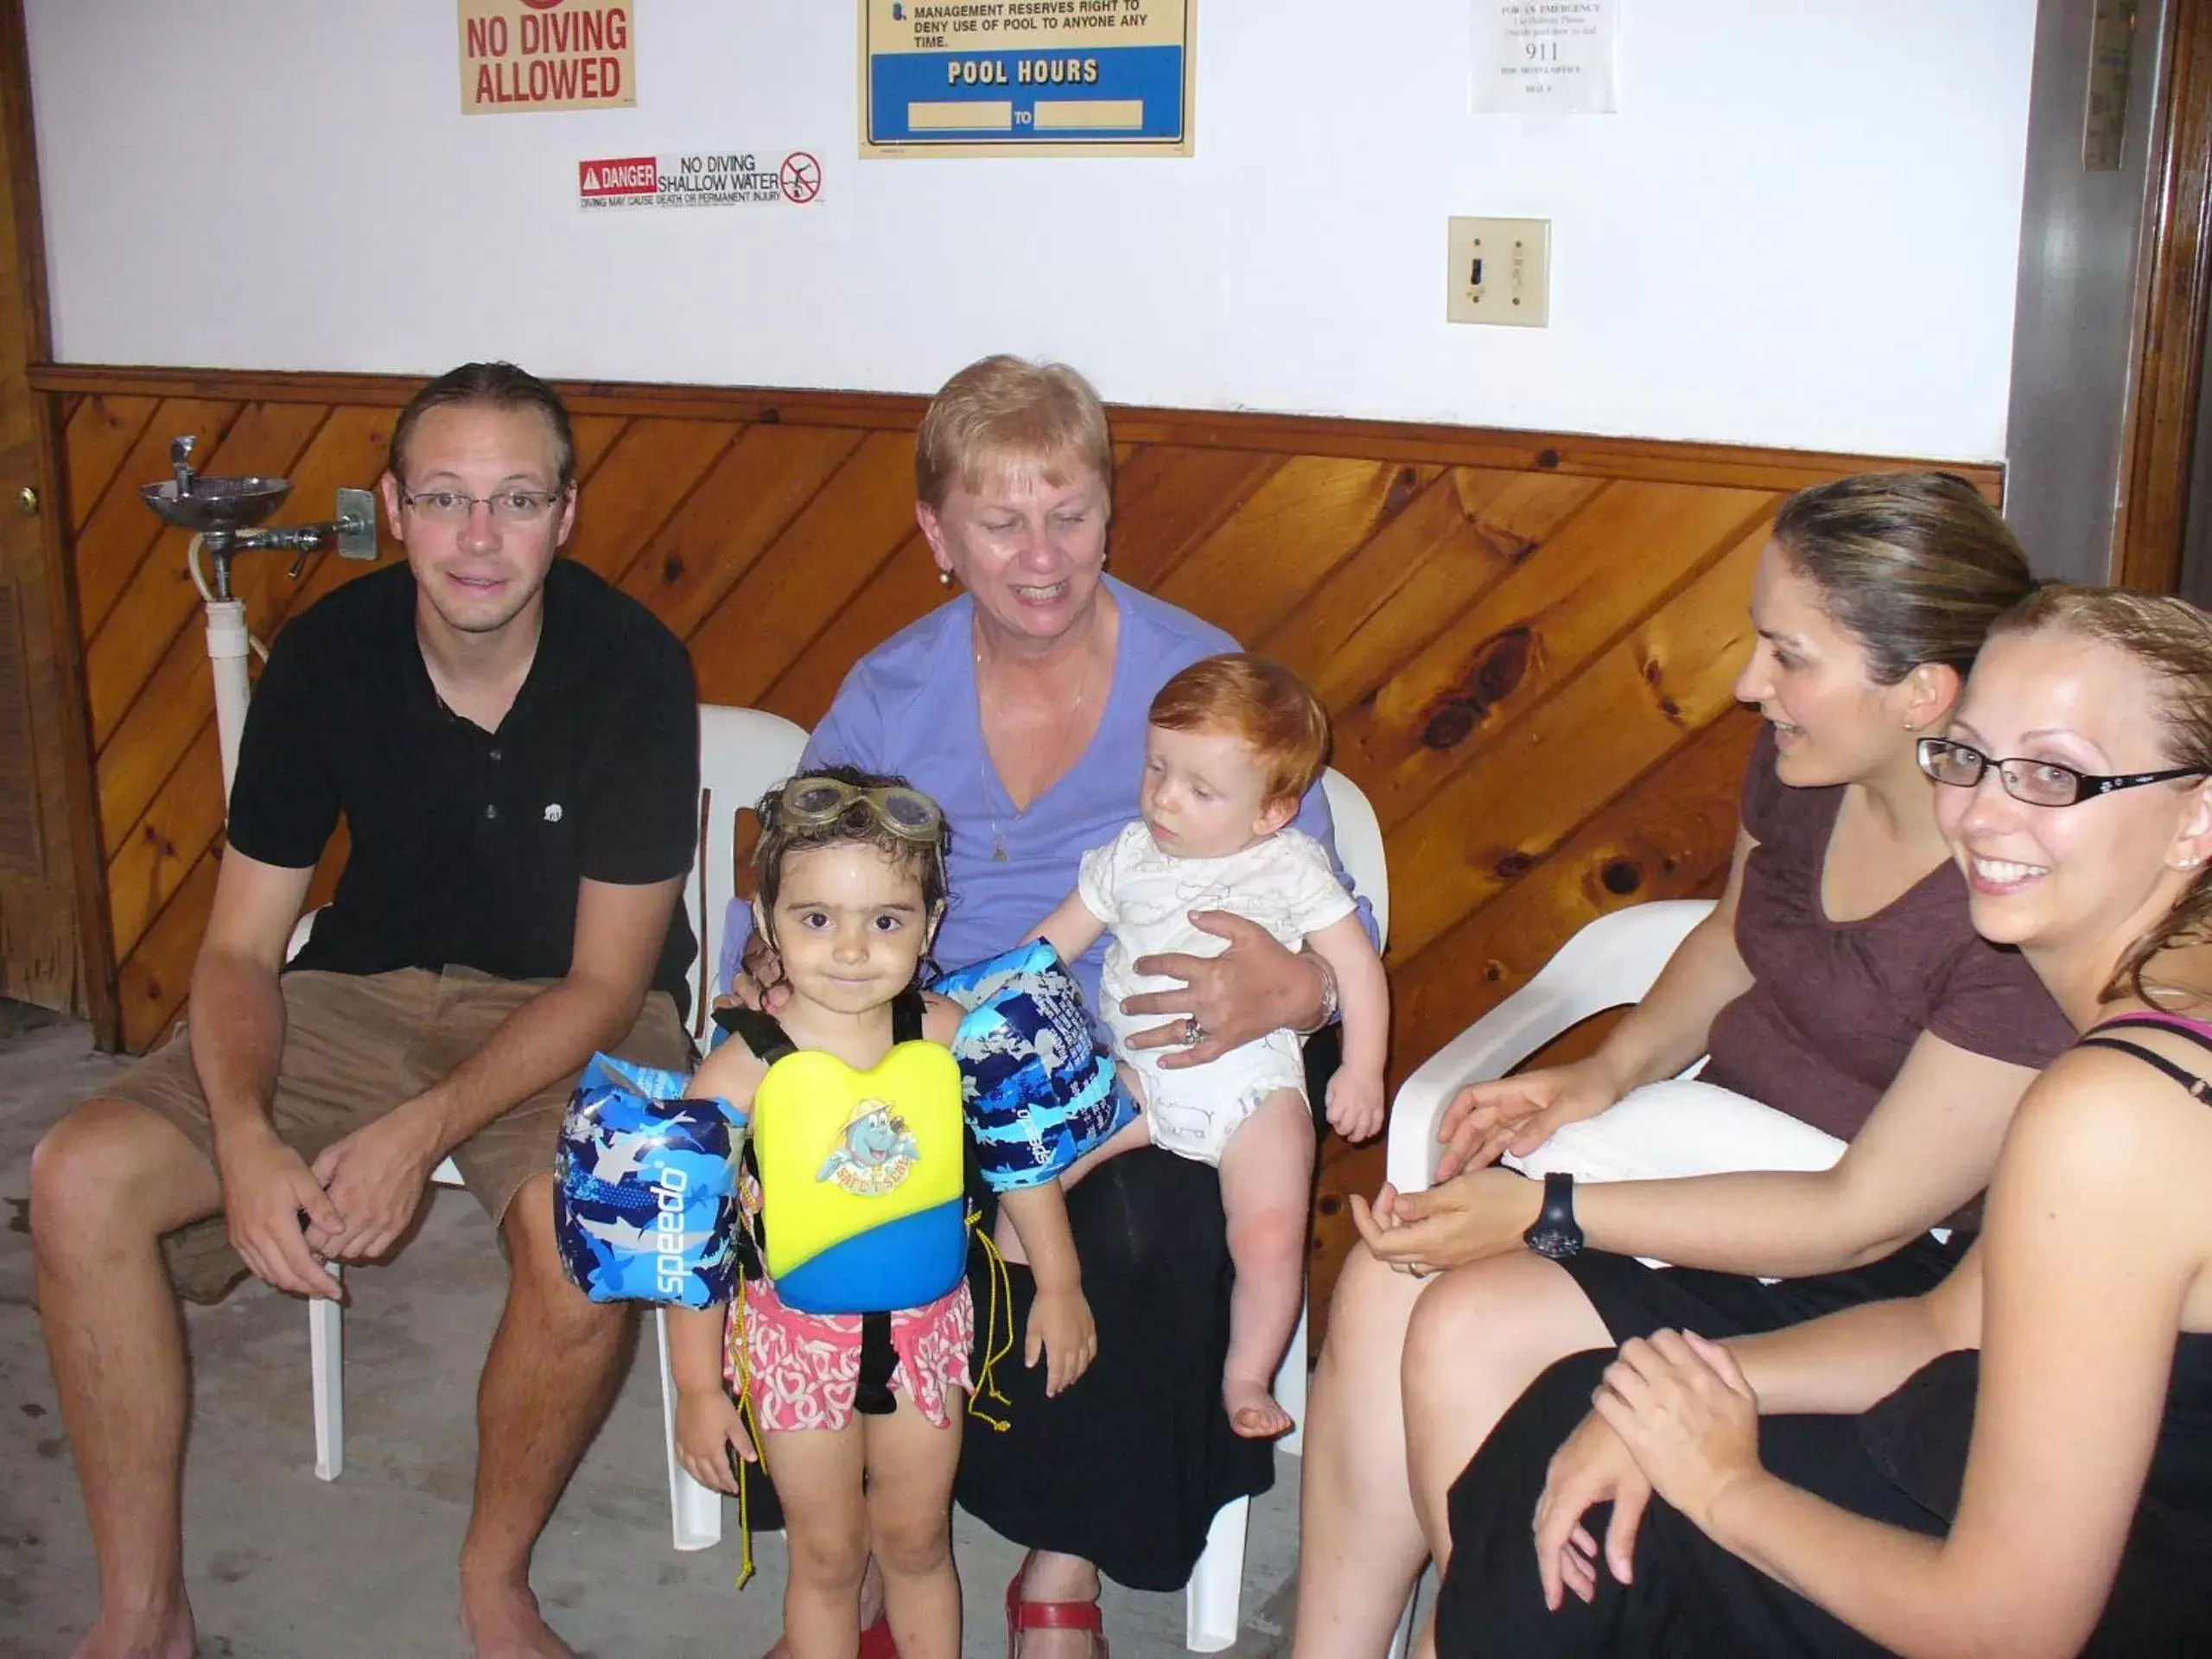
(1836, 1005)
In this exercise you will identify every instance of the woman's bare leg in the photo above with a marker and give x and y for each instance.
(1360, 1541)
(1479, 1337)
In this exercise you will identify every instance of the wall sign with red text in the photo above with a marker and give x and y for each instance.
(522, 55)
(726, 178)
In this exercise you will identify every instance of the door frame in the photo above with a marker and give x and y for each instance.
(75, 761)
(2160, 445)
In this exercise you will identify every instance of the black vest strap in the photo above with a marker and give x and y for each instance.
(770, 1042)
(758, 1032)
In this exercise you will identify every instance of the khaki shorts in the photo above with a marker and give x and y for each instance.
(356, 1046)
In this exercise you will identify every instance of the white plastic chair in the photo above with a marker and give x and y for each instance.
(1608, 964)
(1213, 1603)
(742, 753)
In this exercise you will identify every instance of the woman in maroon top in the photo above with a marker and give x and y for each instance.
(1839, 980)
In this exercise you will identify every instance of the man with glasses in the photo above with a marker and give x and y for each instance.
(513, 747)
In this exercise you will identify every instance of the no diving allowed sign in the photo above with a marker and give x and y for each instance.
(729, 178)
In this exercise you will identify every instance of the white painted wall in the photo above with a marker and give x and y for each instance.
(1802, 230)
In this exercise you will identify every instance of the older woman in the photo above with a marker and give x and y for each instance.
(1839, 980)
(2020, 1461)
(1020, 707)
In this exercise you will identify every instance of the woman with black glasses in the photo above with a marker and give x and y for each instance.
(1839, 981)
(2019, 1461)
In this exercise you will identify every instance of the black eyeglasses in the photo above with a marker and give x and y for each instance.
(2038, 783)
(508, 506)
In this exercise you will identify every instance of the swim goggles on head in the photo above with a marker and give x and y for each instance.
(907, 813)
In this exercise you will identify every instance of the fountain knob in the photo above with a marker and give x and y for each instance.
(181, 460)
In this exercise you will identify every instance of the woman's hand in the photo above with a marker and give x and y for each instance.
(1251, 989)
(1593, 1466)
(1517, 1115)
(1681, 1406)
(1483, 1213)
(709, 1432)
(1062, 1334)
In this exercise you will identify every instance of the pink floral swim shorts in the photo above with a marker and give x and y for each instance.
(806, 1367)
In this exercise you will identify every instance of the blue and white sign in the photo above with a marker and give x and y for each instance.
(993, 76)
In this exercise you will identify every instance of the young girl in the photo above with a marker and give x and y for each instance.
(1235, 742)
(851, 880)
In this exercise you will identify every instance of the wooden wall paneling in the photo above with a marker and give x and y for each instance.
(120, 532)
(1169, 498)
(99, 433)
(1460, 536)
(906, 589)
(265, 439)
(757, 487)
(178, 826)
(1542, 776)
(645, 478)
(1599, 572)
(152, 981)
(1667, 835)
(792, 594)
(594, 435)
(1269, 555)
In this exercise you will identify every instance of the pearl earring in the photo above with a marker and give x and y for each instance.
(944, 578)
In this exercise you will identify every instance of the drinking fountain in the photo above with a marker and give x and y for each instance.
(225, 515)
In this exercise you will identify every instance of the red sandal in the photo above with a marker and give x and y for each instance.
(1022, 1615)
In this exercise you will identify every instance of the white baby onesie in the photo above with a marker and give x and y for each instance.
(1146, 897)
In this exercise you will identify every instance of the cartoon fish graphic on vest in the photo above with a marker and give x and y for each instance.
(874, 1153)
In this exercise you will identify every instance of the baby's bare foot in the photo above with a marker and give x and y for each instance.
(1254, 1412)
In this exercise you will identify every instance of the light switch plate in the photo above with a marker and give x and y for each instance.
(1500, 272)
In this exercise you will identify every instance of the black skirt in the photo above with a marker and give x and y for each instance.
(1634, 1300)
(1126, 1468)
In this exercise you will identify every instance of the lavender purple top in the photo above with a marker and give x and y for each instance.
(910, 706)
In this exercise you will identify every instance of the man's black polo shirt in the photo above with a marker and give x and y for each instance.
(467, 844)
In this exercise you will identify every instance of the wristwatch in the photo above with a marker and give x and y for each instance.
(1556, 1235)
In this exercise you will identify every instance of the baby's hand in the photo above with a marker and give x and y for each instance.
(1356, 1104)
(1061, 1331)
(710, 1432)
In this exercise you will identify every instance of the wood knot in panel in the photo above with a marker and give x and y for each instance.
(1548, 458)
(1513, 865)
(671, 569)
(1621, 876)
(1499, 667)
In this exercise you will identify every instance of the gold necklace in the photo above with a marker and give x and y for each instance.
(985, 771)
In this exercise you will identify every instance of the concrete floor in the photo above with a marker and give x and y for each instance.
(281, 1564)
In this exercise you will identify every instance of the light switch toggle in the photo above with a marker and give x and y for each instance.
(1500, 272)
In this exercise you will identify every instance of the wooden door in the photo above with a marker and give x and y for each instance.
(50, 949)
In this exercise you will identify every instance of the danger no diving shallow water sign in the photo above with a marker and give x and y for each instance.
(522, 55)
(729, 178)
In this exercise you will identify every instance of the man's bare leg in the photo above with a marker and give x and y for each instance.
(106, 1182)
(555, 1364)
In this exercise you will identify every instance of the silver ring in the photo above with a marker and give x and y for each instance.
(1193, 1032)
(1418, 1271)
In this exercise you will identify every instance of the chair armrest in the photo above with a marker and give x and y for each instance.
(1611, 962)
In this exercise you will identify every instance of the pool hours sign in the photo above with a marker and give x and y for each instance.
(521, 55)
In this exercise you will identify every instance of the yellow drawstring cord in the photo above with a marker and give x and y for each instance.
(735, 1346)
(993, 1351)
